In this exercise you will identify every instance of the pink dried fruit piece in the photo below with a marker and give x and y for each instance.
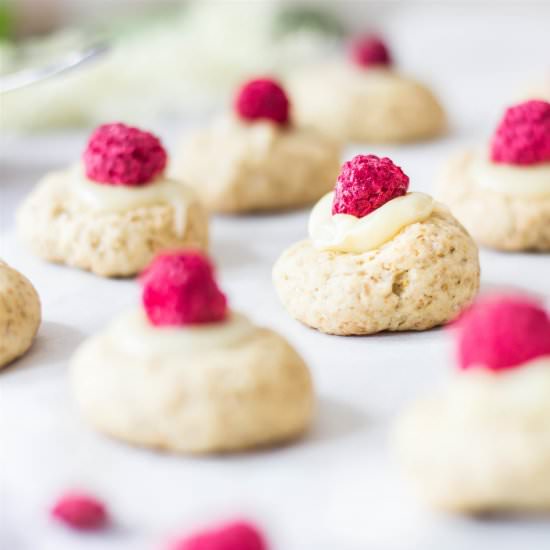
(367, 182)
(263, 98)
(80, 511)
(117, 154)
(179, 289)
(501, 332)
(523, 135)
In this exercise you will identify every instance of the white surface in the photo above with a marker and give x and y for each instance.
(336, 490)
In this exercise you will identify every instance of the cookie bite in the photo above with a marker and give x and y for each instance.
(364, 98)
(185, 373)
(378, 257)
(482, 444)
(256, 158)
(20, 314)
(113, 211)
(501, 193)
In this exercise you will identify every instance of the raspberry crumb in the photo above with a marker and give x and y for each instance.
(369, 51)
(367, 182)
(233, 536)
(179, 289)
(502, 331)
(263, 98)
(80, 511)
(523, 135)
(117, 154)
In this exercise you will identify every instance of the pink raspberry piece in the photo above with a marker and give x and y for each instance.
(523, 135)
(263, 98)
(369, 51)
(367, 182)
(501, 332)
(233, 536)
(117, 154)
(179, 289)
(80, 511)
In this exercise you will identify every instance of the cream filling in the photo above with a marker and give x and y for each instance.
(526, 181)
(121, 198)
(479, 392)
(347, 233)
(133, 334)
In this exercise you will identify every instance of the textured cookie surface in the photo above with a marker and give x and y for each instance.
(421, 278)
(239, 167)
(60, 227)
(365, 105)
(483, 445)
(253, 393)
(19, 314)
(495, 219)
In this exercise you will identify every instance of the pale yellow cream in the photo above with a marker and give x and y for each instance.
(347, 233)
(524, 181)
(133, 333)
(121, 198)
(478, 392)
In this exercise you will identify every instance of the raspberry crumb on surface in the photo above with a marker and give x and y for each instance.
(263, 98)
(367, 182)
(179, 289)
(117, 154)
(239, 535)
(80, 511)
(523, 135)
(369, 51)
(501, 332)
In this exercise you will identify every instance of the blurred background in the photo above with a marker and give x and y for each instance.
(184, 57)
(170, 64)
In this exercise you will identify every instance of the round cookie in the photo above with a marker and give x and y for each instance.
(20, 314)
(186, 375)
(503, 196)
(365, 102)
(111, 228)
(419, 275)
(257, 161)
(407, 284)
(482, 445)
(495, 219)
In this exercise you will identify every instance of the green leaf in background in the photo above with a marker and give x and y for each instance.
(296, 18)
(6, 19)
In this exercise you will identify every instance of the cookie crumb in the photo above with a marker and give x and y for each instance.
(117, 154)
(80, 511)
(501, 332)
(367, 182)
(263, 98)
(523, 135)
(179, 289)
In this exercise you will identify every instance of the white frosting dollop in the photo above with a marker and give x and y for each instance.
(347, 233)
(133, 333)
(520, 180)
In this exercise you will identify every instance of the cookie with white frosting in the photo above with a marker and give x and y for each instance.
(186, 374)
(111, 213)
(20, 314)
(365, 99)
(256, 158)
(502, 193)
(378, 258)
(482, 444)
